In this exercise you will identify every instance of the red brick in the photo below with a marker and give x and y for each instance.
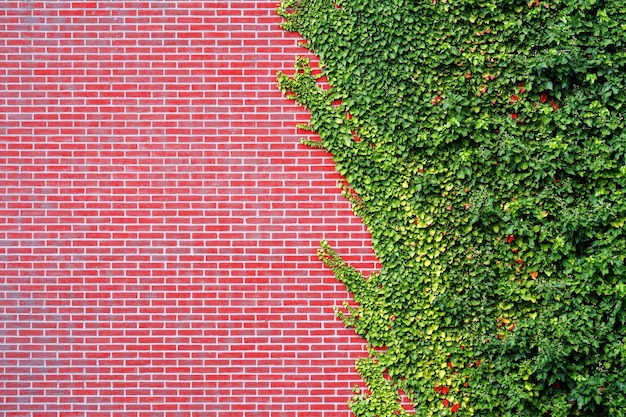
(159, 220)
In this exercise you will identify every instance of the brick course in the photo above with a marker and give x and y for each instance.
(159, 220)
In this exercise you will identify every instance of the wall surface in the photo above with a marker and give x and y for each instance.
(159, 220)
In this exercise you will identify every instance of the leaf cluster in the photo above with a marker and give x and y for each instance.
(483, 145)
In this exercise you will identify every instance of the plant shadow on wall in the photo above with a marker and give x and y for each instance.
(483, 145)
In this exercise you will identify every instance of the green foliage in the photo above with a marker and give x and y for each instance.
(483, 145)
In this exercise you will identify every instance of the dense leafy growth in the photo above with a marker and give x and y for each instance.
(483, 146)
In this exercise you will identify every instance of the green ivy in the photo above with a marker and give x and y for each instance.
(483, 146)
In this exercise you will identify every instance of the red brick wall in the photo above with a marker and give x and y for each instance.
(159, 220)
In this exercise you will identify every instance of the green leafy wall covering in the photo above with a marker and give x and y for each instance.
(483, 145)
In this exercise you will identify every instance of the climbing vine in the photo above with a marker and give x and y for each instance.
(483, 145)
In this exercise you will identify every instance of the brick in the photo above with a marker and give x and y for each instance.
(159, 220)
